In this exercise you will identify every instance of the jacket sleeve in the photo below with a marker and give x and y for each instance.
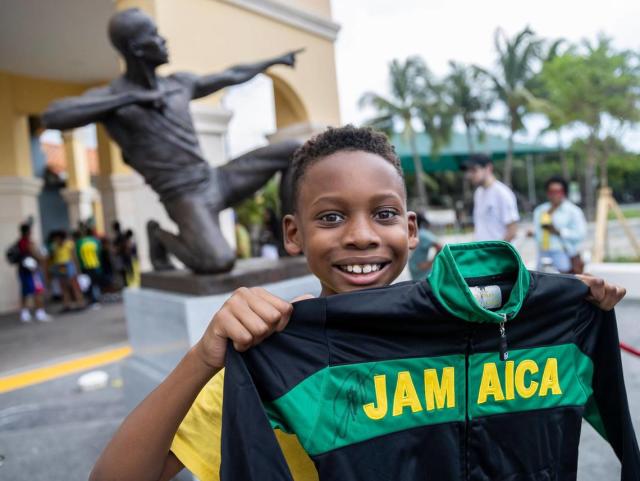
(607, 409)
(249, 450)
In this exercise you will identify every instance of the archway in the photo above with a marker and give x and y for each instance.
(290, 109)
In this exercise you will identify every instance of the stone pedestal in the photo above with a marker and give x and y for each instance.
(18, 201)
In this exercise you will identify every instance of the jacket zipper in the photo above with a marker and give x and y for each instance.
(502, 344)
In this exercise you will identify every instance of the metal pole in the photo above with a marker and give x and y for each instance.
(531, 180)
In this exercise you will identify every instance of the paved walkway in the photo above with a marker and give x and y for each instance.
(26, 345)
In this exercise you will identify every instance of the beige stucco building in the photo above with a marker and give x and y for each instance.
(53, 49)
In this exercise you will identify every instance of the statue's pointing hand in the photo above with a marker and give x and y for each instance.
(290, 57)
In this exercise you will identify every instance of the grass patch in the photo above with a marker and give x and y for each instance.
(628, 213)
(622, 259)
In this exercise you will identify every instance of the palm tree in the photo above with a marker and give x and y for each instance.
(437, 114)
(469, 99)
(402, 107)
(557, 118)
(515, 68)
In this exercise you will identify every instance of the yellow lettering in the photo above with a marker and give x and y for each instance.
(508, 381)
(405, 395)
(526, 366)
(436, 393)
(490, 384)
(550, 378)
(371, 410)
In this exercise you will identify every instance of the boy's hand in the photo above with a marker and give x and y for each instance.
(601, 293)
(247, 318)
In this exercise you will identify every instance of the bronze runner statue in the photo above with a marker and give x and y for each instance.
(148, 116)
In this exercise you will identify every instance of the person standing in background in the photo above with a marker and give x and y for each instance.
(64, 267)
(120, 254)
(559, 228)
(419, 263)
(32, 287)
(132, 264)
(89, 254)
(495, 209)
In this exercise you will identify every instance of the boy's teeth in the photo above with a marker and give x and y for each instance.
(361, 268)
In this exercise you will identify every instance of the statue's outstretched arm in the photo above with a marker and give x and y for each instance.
(208, 84)
(92, 106)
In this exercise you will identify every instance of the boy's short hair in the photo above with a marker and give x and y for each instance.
(339, 139)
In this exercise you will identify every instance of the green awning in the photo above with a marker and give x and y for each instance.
(456, 151)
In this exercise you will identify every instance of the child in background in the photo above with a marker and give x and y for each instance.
(64, 267)
(419, 263)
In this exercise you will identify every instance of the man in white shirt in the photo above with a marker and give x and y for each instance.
(495, 210)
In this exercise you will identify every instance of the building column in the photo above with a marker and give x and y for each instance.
(79, 194)
(19, 190)
(211, 125)
(18, 202)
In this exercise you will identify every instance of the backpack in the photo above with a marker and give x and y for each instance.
(13, 254)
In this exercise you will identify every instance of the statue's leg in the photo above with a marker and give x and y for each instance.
(158, 253)
(200, 244)
(241, 177)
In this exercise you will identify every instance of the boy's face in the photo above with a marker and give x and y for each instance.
(351, 222)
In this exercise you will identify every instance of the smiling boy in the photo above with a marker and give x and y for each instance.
(351, 222)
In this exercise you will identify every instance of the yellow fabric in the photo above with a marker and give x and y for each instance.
(197, 442)
(545, 219)
(89, 255)
(133, 277)
(243, 242)
(63, 253)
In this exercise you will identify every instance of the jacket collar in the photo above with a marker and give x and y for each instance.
(477, 259)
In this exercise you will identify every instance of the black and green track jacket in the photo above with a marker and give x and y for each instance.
(418, 381)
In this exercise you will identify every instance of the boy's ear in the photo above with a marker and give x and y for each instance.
(412, 230)
(291, 235)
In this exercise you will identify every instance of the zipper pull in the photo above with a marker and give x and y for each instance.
(502, 345)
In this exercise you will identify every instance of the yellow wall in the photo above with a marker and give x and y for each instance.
(19, 97)
(206, 36)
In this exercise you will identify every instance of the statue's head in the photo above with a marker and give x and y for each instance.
(135, 35)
